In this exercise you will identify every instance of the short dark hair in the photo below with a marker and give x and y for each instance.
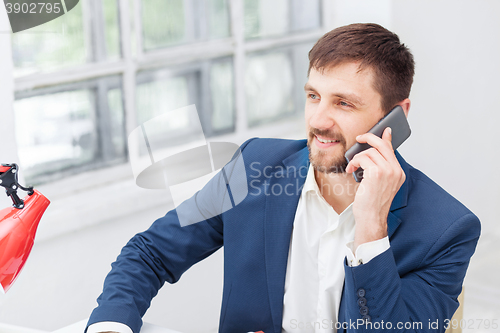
(374, 47)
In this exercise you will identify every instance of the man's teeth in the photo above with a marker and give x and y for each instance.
(326, 141)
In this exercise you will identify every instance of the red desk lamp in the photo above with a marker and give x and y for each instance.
(18, 225)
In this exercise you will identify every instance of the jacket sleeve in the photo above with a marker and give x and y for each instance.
(422, 300)
(161, 253)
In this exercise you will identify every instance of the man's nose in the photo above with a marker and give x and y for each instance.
(322, 117)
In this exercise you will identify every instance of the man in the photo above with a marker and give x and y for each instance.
(309, 249)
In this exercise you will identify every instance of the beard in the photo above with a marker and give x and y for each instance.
(323, 161)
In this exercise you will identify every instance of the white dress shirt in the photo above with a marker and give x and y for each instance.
(321, 240)
(109, 326)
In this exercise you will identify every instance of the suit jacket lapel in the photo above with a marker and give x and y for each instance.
(280, 214)
(400, 200)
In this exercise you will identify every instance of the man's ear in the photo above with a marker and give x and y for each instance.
(405, 104)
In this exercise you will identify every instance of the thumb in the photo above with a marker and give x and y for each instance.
(387, 135)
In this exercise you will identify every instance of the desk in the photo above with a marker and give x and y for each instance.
(80, 326)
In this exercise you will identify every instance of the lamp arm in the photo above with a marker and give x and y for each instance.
(8, 180)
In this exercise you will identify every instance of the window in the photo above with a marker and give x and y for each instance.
(280, 17)
(274, 82)
(170, 22)
(87, 79)
(207, 83)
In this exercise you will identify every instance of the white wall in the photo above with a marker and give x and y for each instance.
(453, 117)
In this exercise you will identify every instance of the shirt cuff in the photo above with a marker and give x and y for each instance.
(109, 326)
(366, 251)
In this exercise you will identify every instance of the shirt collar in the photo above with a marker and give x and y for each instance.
(311, 186)
(310, 183)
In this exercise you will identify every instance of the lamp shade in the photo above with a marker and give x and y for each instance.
(17, 235)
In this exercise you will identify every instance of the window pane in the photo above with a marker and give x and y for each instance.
(112, 31)
(208, 84)
(283, 17)
(261, 20)
(53, 45)
(62, 130)
(269, 86)
(173, 22)
(133, 25)
(160, 97)
(163, 23)
(301, 65)
(221, 86)
(305, 15)
(117, 130)
(56, 131)
(218, 17)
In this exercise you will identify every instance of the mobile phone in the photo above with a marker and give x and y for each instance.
(397, 121)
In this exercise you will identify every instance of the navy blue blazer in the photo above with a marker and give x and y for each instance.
(415, 282)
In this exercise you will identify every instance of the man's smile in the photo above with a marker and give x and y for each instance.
(323, 142)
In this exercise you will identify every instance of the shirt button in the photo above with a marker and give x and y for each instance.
(361, 301)
(363, 310)
(361, 292)
(367, 318)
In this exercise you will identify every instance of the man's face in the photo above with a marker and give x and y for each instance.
(340, 105)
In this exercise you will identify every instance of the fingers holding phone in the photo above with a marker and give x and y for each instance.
(378, 162)
(396, 120)
(374, 164)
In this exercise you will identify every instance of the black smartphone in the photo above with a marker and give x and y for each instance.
(397, 121)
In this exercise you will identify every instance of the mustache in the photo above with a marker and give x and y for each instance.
(330, 135)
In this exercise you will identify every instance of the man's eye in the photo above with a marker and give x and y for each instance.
(342, 103)
(313, 96)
